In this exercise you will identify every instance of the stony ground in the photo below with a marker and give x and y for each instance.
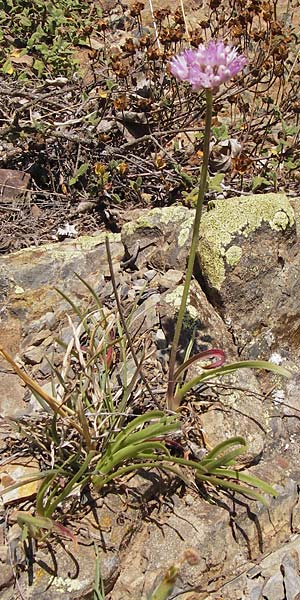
(230, 537)
(249, 307)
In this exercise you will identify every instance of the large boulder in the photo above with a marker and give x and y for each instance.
(249, 264)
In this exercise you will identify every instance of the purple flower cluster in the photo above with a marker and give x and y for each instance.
(208, 66)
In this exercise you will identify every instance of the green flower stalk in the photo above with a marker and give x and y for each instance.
(205, 68)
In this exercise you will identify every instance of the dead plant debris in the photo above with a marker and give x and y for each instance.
(110, 130)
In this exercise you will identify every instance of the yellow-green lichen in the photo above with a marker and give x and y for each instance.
(185, 229)
(19, 290)
(163, 216)
(174, 298)
(64, 249)
(280, 221)
(65, 584)
(233, 255)
(132, 226)
(234, 218)
(171, 214)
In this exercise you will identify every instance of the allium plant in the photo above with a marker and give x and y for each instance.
(205, 68)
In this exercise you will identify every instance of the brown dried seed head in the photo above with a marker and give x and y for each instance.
(129, 46)
(296, 107)
(237, 30)
(196, 37)
(145, 41)
(214, 4)
(120, 69)
(160, 15)
(276, 28)
(204, 24)
(120, 103)
(176, 34)
(154, 54)
(101, 25)
(178, 17)
(279, 70)
(87, 30)
(258, 35)
(136, 9)
(145, 103)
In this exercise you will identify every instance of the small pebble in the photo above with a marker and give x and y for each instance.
(150, 274)
(160, 340)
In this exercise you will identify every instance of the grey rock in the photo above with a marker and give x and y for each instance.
(150, 274)
(12, 403)
(145, 317)
(273, 588)
(269, 563)
(13, 184)
(65, 335)
(163, 236)
(45, 368)
(255, 588)
(291, 577)
(139, 284)
(37, 338)
(48, 320)
(34, 355)
(170, 279)
(6, 575)
(160, 340)
(36, 405)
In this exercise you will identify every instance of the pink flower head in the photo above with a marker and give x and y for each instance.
(208, 66)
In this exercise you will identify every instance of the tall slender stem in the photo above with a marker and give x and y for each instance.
(171, 402)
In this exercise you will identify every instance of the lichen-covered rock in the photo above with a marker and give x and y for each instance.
(32, 274)
(225, 228)
(249, 261)
(163, 235)
(31, 304)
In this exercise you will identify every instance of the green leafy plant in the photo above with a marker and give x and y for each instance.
(79, 173)
(98, 592)
(95, 436)
(45, 32)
